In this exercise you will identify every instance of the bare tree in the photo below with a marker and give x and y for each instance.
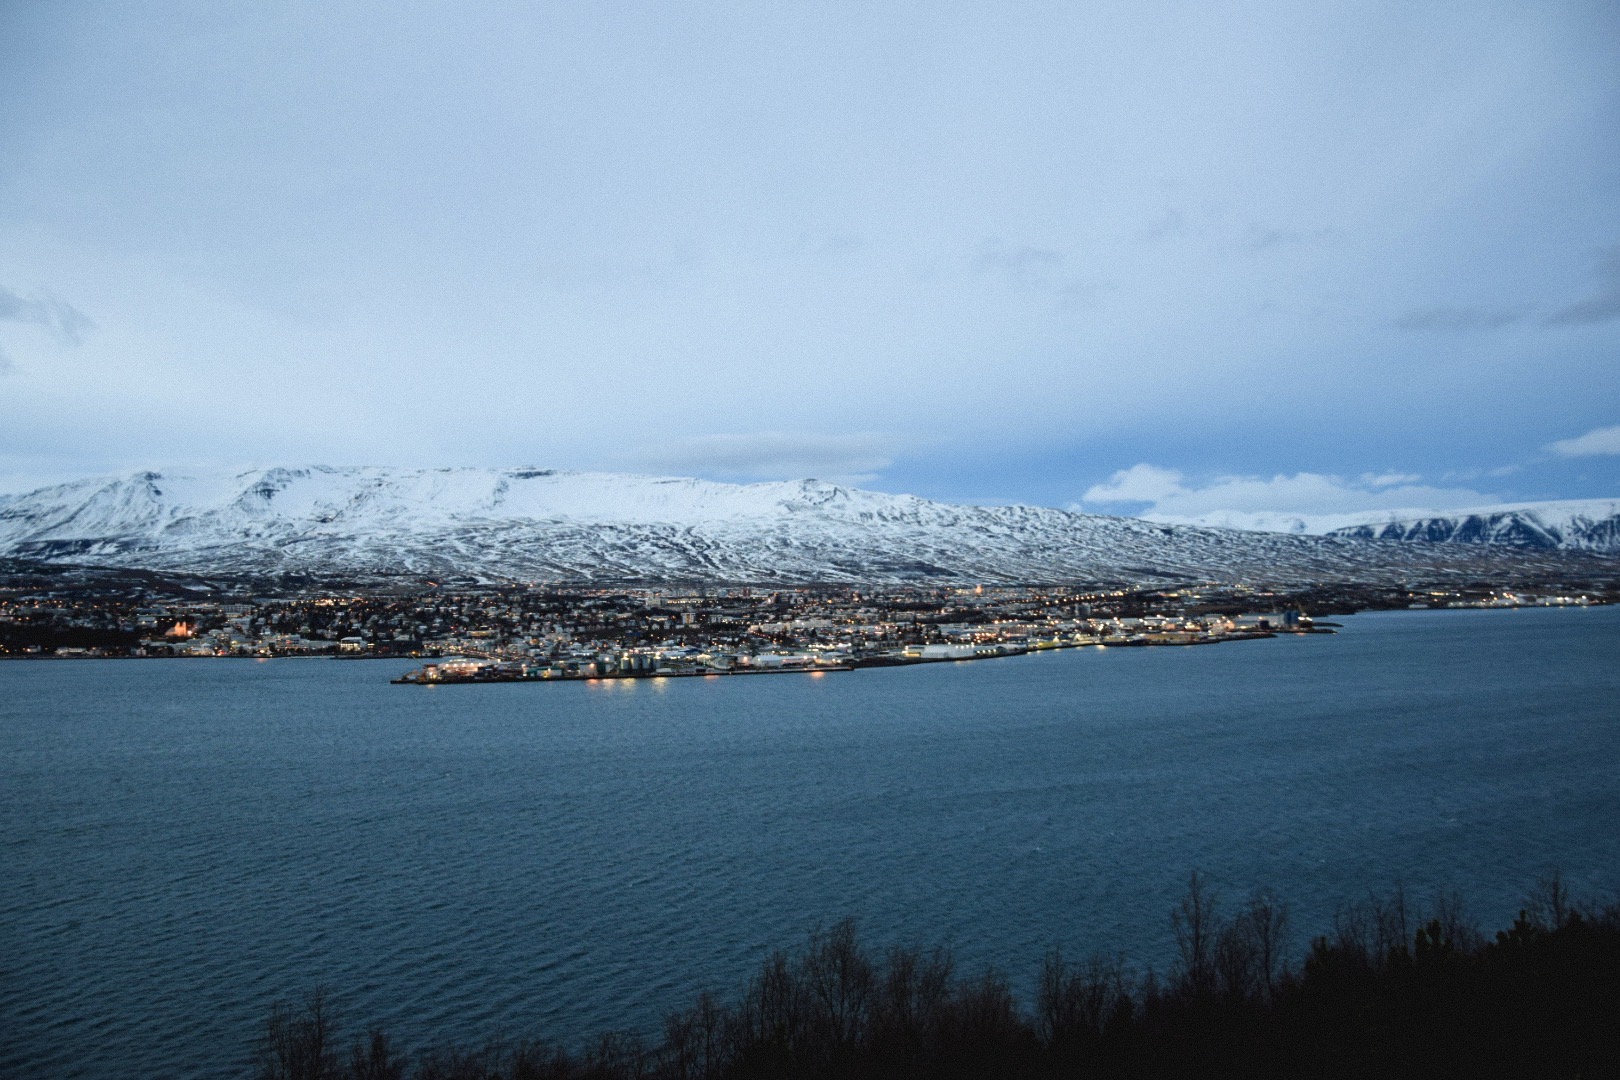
(374, 1059)
(300, 1044)
(1079, 1002)
(1392, 932)
(1056, 1014)
(693, 1046)
(771, 1016)
(1457, 929)
(838, 980)
(983, 1012)
(1194, 923)
(1249, 951)
(1266, 920)
(617, 1054)
(1549, 907)
(1350, 936)
(911, 996)
(528, 1060)
(459, 1063)
(1236, 965)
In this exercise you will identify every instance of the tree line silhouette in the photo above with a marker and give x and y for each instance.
(1390, 991)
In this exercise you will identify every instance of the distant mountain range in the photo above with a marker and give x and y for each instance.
(540, 524)
(1575, 525)
(1568, 525)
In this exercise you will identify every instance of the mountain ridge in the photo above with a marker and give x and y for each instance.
(544, 524)
(1570, 524)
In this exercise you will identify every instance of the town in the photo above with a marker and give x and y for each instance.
(520, 632)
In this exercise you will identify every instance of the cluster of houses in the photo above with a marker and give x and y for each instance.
(574, 632)
(969, 641)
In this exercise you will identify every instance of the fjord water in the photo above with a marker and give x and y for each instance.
(186, 841)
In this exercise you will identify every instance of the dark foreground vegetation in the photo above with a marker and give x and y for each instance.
(1388, 992)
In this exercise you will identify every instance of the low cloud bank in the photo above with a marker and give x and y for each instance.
(1595, 443)
(1303, 503)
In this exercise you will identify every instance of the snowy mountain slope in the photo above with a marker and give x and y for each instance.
(1571, 525)
(1574, 524)
(534, 524)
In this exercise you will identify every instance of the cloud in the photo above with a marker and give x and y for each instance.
(1171, 223)
(1303, 502)
(1602, 305)
(1025, 266)
(65, 322)
(773, 455)
(5, 362)
(1139, 483)
(1595, 443)
(1389, 479)
(1459, 318)
(1032, 269)
(1260, 237)
(1078, 295)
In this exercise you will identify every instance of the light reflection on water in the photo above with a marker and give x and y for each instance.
(184, 841)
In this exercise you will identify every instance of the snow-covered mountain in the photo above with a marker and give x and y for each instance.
(537, 524)
(1571, 525)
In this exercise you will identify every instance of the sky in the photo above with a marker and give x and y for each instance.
(1153, 257)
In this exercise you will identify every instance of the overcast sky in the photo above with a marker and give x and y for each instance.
(1266, 256)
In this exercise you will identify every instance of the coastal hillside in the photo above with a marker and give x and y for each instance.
(540, 524)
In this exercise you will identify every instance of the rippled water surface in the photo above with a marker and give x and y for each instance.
(186, 841)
